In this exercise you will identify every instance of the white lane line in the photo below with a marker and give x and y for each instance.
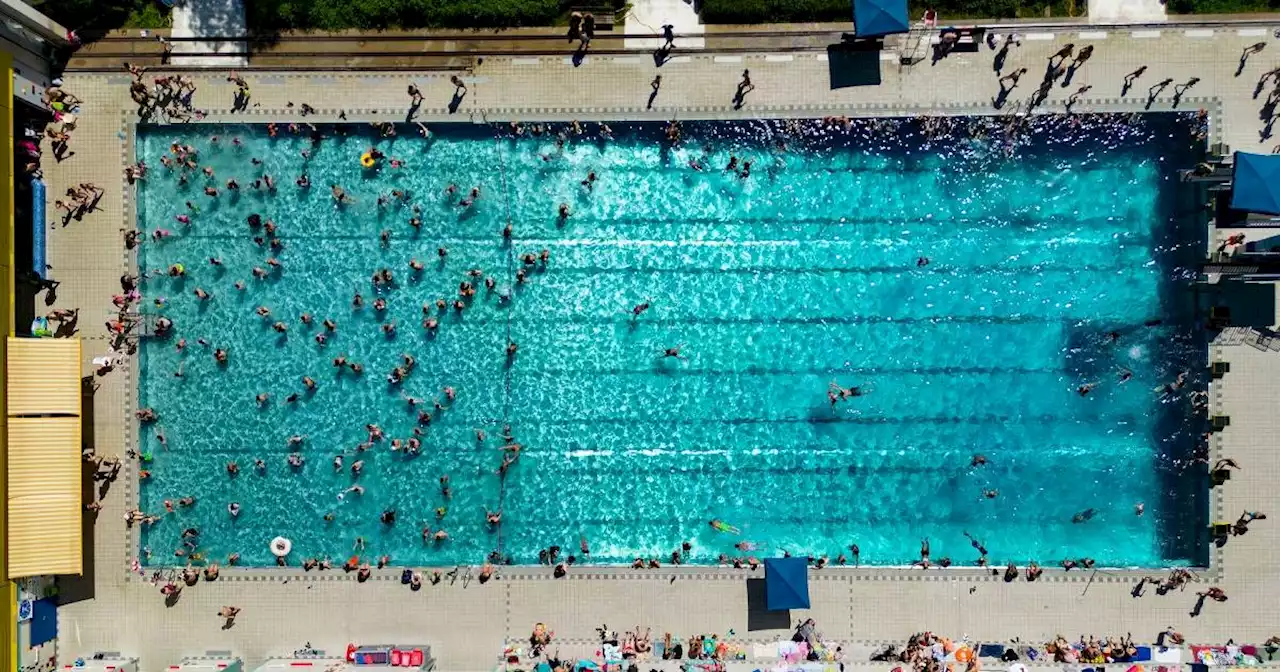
(888, 56)
(778, 58)
(679, 59)
(1199, 32)
(1145, 34)
(1251, 32)
(728, 59)
(629, 59)
(525, 61)
(1094, 35)
(822, 57)
(1038, 36)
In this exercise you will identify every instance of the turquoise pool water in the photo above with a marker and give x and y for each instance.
(772, 286)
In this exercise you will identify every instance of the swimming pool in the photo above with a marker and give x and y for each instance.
(965, 284)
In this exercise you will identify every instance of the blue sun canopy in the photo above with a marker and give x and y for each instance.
(879, 17)
(1255, 183)
(786, 583)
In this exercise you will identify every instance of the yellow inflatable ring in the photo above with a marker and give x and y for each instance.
(367, 161)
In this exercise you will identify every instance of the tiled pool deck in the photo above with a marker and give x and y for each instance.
(468, 623)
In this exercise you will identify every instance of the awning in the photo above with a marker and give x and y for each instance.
(44, 496)
(44, 376)
(786, 583)
(879, 17)
(1255, 183)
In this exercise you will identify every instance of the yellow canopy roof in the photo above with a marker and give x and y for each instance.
(44, 376)
(44, 496)
(43, 488)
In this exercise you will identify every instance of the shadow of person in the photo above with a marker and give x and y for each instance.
(1265, 133)
(1195, 611)
(172, 598)
(652, 97)
(67, 328)
(1003, 97)
(998, 63)
(660, 56)
(456, 101)
(413, 111)
(579, 55)
(1155, 91)
(1071, 72)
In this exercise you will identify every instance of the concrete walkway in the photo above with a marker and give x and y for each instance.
(468, 623)
(209, 19)
(649, 16)
(1127, 11)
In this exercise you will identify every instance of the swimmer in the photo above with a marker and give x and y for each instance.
(721, 526)
(1124, 375)
(746, 546)
(1083, 516)
(639, 308)
(234, 509)
(673, 352)
(976, 544)
(1086, 388)
(1139, 509)
(978, 460)
(337, 463)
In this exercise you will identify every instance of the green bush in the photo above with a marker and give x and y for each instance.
(86, 15)
(271, 15)
(775, 11)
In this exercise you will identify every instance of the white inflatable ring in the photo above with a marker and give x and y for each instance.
(280, 547)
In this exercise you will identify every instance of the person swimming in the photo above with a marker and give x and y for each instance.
(1084, 516)
(721, 526)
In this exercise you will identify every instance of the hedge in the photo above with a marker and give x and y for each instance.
(89, 15)
(775, 11)
(273, 15)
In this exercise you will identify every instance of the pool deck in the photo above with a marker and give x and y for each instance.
(468, 623)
